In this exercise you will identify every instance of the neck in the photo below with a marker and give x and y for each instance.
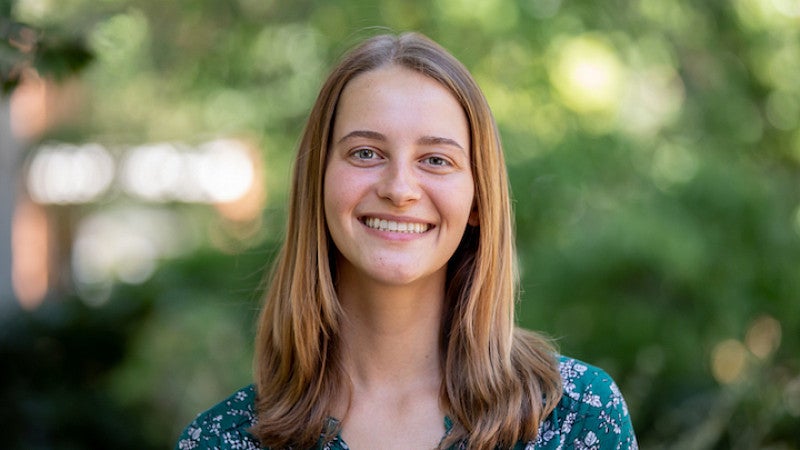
(391, 334)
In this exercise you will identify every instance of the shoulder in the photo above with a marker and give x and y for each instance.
(591, 414)
(585, 383)
(224, 426)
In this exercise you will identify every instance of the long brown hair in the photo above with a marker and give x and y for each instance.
(499, 382)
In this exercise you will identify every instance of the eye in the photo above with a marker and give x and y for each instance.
(364, 153)
(437, 161)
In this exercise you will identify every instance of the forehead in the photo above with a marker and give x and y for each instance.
(397, 97)
(394, 76)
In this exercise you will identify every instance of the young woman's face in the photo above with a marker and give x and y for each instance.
(398, 189)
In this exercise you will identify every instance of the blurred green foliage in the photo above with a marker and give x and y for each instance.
(51, 50)
(654, 152)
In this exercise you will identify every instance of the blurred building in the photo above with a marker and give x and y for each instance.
(83, 216)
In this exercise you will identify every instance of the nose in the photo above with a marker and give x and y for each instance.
(399, 184)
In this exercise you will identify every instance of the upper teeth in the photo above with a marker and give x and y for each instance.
(400, 227)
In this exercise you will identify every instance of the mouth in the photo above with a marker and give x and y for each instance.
(396, 227)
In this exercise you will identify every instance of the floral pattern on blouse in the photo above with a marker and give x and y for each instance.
(592, 415)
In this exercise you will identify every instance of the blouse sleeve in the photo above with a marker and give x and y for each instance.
(600, 420)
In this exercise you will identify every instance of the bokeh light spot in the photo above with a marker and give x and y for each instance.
(652, 99)
(65, 173)
(789, 8)
(152, 172)
(587, 74)
(791, 398)
(33, 10)
(215, 172)
(125, 244)
(728, 361)
(673, 164)
(225, 172)
(764, 336)
(120, 42)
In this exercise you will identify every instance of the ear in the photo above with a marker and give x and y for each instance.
(473, 219)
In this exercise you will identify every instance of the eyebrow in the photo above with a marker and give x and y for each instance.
(424, 140)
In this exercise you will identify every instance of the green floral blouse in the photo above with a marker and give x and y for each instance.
(591, 415)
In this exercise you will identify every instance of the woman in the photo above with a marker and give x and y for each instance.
(389, 322)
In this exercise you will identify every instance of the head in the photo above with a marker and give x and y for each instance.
(418, 53)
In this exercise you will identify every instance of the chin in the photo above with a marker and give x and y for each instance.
(399, 277)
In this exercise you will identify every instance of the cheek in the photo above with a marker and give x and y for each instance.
(339, 193)
(466, 196)
(457, 203)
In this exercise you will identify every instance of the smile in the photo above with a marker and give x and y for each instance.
(397, 227)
